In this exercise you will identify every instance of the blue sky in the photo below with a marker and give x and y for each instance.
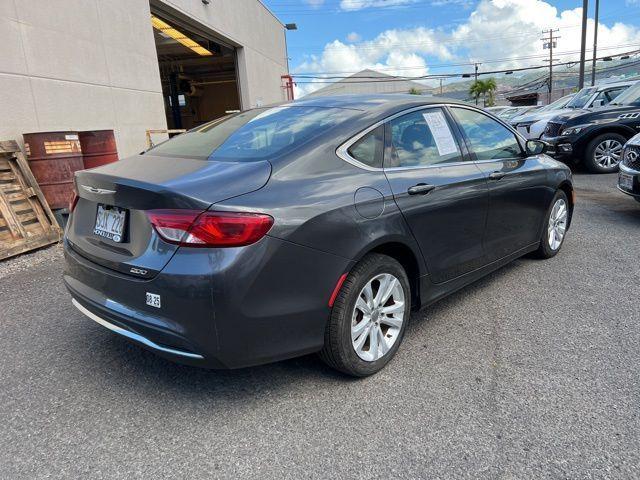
(421, 37)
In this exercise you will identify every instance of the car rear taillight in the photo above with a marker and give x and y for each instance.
(74, 201)
(192, 228)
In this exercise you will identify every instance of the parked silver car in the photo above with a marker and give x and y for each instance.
(532, 124)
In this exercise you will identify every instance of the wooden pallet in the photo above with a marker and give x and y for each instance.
(26, 221)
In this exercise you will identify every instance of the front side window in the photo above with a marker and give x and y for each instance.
(489, 140)
(257, 134)
(422, 138)
(369, 148)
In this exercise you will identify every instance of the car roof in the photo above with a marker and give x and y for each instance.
(381, 103)
(604, 86)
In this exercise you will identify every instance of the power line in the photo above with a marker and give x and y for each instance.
(343, 74)
(322, 80)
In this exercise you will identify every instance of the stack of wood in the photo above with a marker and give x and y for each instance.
(26, 221)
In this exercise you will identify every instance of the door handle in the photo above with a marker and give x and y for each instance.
(420, 189)
(497, 175)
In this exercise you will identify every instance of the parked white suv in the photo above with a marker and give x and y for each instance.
(532, 125)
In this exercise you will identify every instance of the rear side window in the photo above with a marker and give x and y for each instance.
(369, 148)
(489, 139)
(253, 135)
(422, 138)
(614, 92)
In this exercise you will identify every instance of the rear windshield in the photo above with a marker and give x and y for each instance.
(253, 135)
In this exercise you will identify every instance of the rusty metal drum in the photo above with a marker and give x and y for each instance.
(98, 147)
(54, 157)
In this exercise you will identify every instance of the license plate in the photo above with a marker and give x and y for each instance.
(625, 181)
(110, 222)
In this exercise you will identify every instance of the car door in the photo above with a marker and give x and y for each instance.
(519, 193)
(440, 191)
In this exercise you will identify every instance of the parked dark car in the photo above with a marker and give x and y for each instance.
(316, 226)
(595, 137)
(629, 176)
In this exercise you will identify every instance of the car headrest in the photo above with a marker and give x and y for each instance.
(418, 132)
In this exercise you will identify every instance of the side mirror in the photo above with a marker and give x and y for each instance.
(598, 103)
(536, 147)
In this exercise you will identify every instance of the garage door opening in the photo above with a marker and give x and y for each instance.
(199, 75)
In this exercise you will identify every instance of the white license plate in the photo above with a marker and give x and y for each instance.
(110, 222)
(625, 181)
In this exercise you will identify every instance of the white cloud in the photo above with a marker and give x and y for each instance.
(314, 3)
(511, 29)
(503, 30)
(354, 37)
(360, 4)
(390, 52)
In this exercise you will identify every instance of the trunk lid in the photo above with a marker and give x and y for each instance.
(147, 182)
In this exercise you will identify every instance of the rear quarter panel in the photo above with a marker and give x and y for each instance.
(314, 203)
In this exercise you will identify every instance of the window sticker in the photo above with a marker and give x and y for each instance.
(442, 135)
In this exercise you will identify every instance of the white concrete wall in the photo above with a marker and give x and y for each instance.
(79, 65)
(92, 64)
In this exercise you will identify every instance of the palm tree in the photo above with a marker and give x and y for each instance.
(490, 87)
(484, 87)
(476, 89)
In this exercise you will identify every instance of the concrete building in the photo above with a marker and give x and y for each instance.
(103, 64)
(369, 82)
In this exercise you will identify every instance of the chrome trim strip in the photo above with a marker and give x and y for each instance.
(629, 170)
(131, 335)
(99, 191)
(343, 150)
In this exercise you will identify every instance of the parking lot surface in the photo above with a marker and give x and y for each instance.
(532, 372)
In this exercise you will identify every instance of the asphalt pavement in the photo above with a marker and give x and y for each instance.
(531, 372)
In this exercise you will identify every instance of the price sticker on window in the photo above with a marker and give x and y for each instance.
(445, 143)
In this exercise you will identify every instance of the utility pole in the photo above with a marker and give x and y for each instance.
(595, 45)
(476, 77)
(550, 43)
(583, 42)
(441, 86)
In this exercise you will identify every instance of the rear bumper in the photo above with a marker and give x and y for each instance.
(136, 337)
(220, 308)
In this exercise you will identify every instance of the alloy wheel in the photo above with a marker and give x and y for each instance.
(377, 317)
(608, 153)
(557, 223)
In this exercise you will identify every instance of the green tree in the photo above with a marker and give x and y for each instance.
(414, 91)
(477, 89)
(490, 87)
(482, 88)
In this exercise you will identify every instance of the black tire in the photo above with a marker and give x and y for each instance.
(589, 160)
(338, 351)
(545, 249)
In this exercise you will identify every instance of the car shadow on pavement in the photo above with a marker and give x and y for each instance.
(116, 363)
